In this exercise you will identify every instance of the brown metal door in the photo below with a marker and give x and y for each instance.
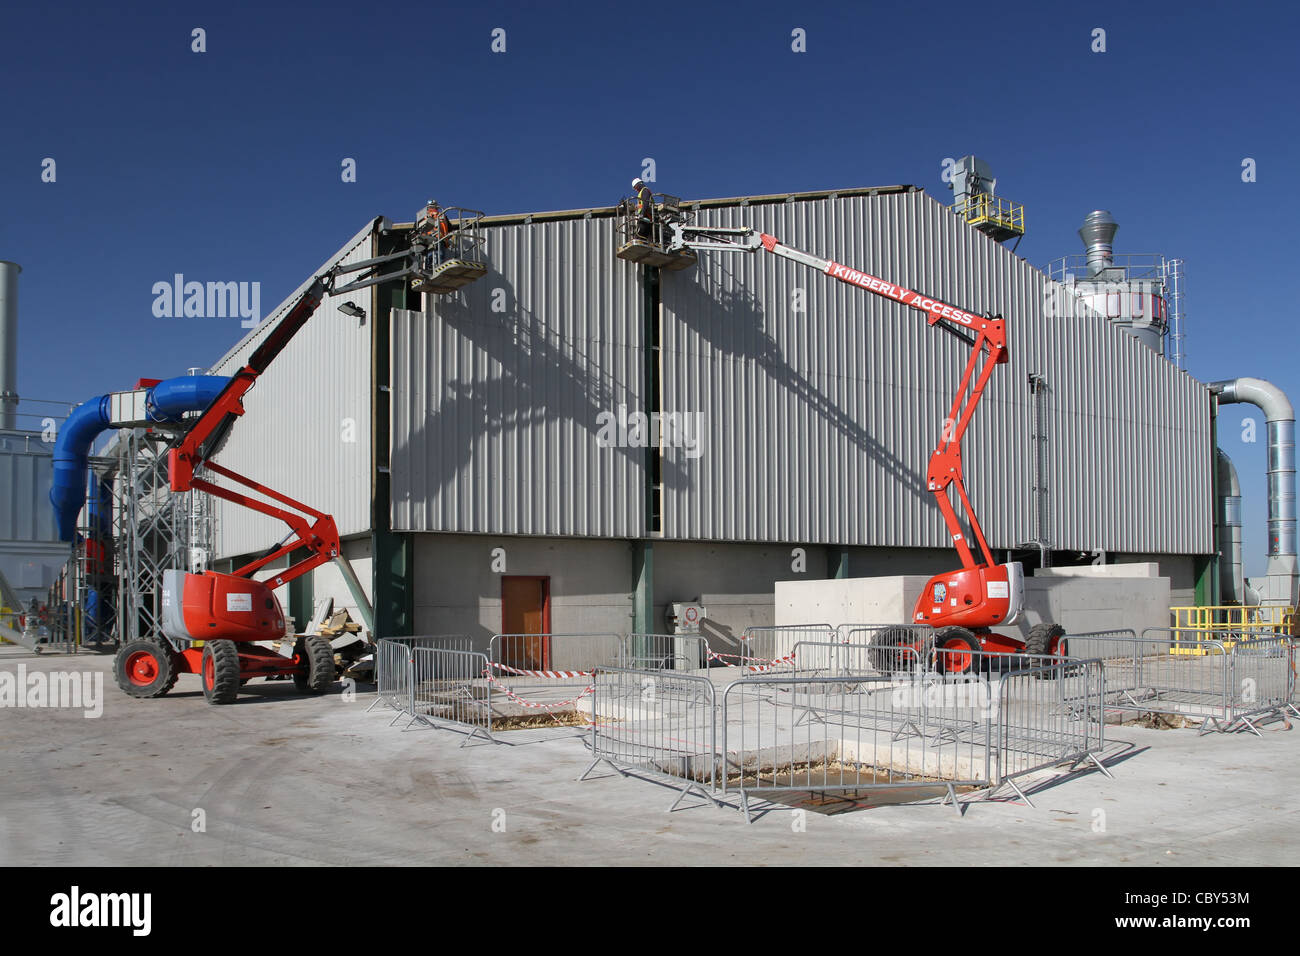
(526, 610)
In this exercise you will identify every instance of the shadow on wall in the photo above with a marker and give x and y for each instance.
(736, 328)
(721, 638)
(578, 387)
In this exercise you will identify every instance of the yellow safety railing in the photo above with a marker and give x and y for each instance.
(982, 208)
(1228, 624)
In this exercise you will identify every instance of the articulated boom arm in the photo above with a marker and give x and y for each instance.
(985, 334)
(320, 535)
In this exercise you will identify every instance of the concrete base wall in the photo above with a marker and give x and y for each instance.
(458, 583)
(458, 587)
(1078, 600)
(1180, 569)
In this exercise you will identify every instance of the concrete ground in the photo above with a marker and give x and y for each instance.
(279, 778)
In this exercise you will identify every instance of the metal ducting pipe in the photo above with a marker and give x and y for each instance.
(1280, 416)
(165, 401)
(1098, 235)
(1232, 578)
(9, 343)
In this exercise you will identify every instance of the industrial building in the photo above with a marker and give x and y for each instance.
(485, 453)
(598, 429)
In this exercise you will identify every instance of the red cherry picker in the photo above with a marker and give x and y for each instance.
(962, 606)
(235, 616)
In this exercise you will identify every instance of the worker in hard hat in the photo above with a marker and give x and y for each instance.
(434, 227)
(645, 209)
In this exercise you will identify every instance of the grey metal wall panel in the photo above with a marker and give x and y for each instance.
(306, 430)
(26, 473)
(25, 476)
(498, 391)
(820, 422)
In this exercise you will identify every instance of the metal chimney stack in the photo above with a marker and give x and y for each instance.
(1098, 232)
(9, 343)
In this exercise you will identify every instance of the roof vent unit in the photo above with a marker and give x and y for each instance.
(973, 188)
(1098, 235)
(1140, 293)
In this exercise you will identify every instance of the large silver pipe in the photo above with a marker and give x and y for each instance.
(9, 343)
(1232, 579)
(1098, 235)
(1280, 416)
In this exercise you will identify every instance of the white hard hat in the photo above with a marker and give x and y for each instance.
(637, 182)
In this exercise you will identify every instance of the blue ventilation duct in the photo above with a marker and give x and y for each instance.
(166, 401)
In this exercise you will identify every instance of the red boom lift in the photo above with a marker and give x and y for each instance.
(964, 605)
(234, 615)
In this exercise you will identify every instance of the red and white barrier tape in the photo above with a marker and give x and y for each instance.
(528, 703)
(763, 665)
(527, 673)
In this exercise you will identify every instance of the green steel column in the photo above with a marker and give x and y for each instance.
(302, 598)
(392, 564)
(837, 561)
(652, 400)
(643, 588)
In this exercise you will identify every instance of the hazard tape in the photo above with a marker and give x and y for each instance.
(554, 674)
(528, 703)
(763, 665)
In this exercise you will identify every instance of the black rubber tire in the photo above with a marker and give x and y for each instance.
(947, 635)
(1040, 640)
(163, 661)
(888, 652)
(319, 673)
(225, 672)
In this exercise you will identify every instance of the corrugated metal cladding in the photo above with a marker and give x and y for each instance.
(306, 431)
(498, 391)
(818, 424)
(26, 473)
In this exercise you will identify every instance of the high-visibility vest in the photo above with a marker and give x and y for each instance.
(435, 223)
(645, 204)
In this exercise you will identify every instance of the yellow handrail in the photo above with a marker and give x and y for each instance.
(1228, 624)
(982, 207)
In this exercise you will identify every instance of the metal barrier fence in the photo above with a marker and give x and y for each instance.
(1263, 682)
(679, 652)
(826, 734)
(451, 687)
(765, 645)
(893, 647)
(1098, 644)
(825, 659)
(536, 666)
(836, 659)
(1050, 711)
(657, 723)
(1227, 684)
(851, 729)
(393, 666)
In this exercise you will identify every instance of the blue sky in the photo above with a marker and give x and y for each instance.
(225, 165)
